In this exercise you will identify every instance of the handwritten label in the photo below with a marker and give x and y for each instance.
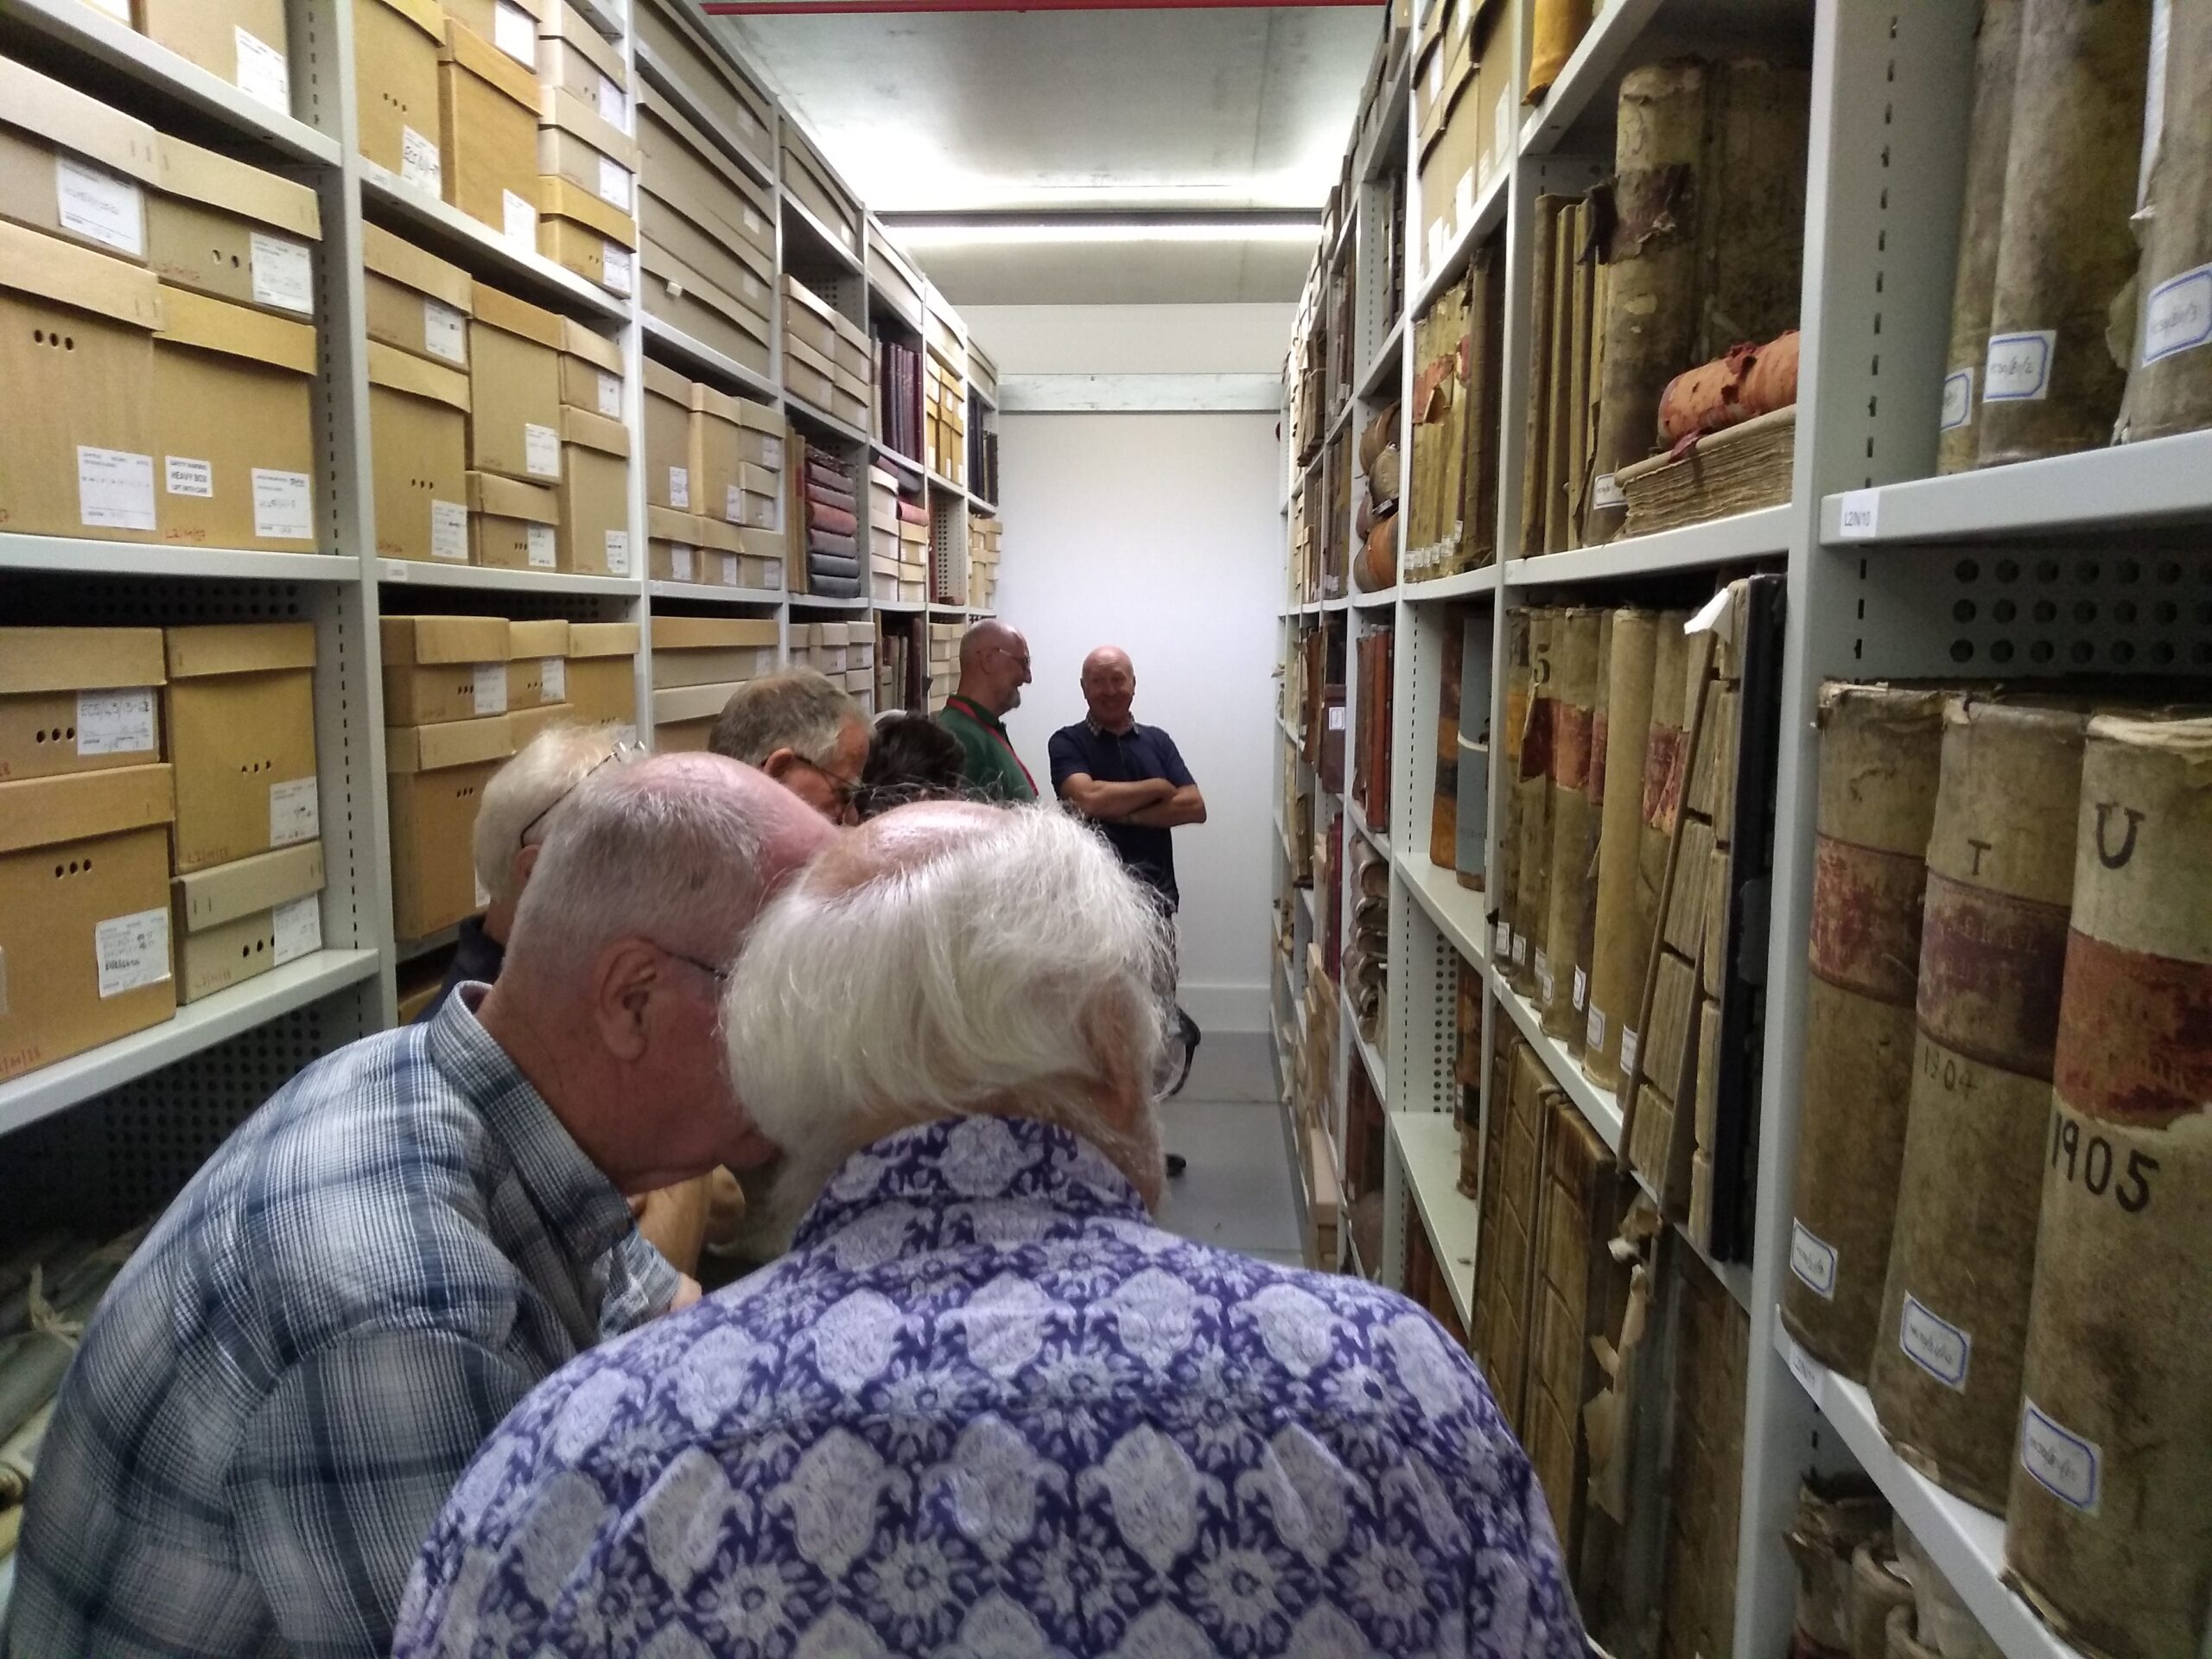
(680, 562)
(1812, 1260)
(445, 332)
(514, 31)
(1862, 515)
(1811, 1374)
(2017, 370)
(519, 217)
(1934, 1344)
(1958, 399)
(617, 552)
(729, 570)
(612, 102)
(183, 475)
(297, 926)
(449, 531)
(490, 684)
(1463, 201)
(2061, 1462)
(615, 261)
(1581, 989)
(419, 163)
(284, 505)
(541, 450)
(1543, 977)
(613, 183)
(132, 951)
(100, 206)
(553, 678)
(2178, 315)
(734, 505)
(115, 489)
(1606, 492)
(294, 811)
(264, 74)
(1593, 1034)
(541, 547)
(114, 722)
(283, 273)
(679, 488)
(610, 396)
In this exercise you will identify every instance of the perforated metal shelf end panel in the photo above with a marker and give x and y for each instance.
(2034, 609)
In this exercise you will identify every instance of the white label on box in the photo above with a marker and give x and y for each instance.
(1862, 515)
(2060, 1461)
(1581, 989)
(610, 396)
(283, 273)
(1958, 400)
(2019, 367)
(1503, 944)
(419, 163)
(1934, 1345)
(263, 71)
(544, 546)
(614, 260)
(1520, 947)
(679, 488)
(449, 531)
(553, 678)
(295, 812)
(2178, 315)
(613, 103)
(1463, 200)
(298, 928)
(520, 215)
(114, 722)
(734, 505)
(284, 505)
(491, 682)
(1606, 492)
(730, 575)
(182, 475)
(613, 183)
(617, 552)
(771, 573)
(1436, 77)
(1630, 1044)
(100, 206)
(754, 225)
(1502, 137)
(445, 331)
(1810, 1375)
(764, 661)
(679, 560)
(1543, 978)
(514, 31)
(133, 950)
(1336, 717)
(1438, 231)
(115, 489)
(1593, 1034)
(1812, 1259)
(541, 450)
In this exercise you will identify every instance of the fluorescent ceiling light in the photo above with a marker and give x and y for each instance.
(957, 232)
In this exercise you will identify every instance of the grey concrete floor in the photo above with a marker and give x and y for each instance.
(1237, 1191)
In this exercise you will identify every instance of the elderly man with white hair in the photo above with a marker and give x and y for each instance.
(272, 1404)
(984, 1405)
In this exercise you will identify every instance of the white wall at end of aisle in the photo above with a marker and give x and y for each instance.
(1133, 338)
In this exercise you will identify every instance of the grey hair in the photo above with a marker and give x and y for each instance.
(793, 708)
(1012, 966)
(527, 789)
(661, 850)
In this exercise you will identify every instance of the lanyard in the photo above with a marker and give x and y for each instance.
(991, 727)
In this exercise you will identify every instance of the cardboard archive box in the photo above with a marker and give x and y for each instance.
(900, 286)
(593, 495)
(826, 644)
(690, 650)
(435, 775)
(78, 700)
(510, 25)
(579, 232)
(686, 548)
(232, 233)
(816, 188)
(538, 666)
(77, 430)
(240, 705)
(684, 716)
(233, 401)
(512, 526)
(84, 913)
(574, 57)
(668, 438)
(742, 112)
(602, 674)
(415, 301)
(683, 299)
(438, 669)
(242, 41)
(238, 920)
(514, 388)
(576, 144)
(487, 133)
(591, 371)
(395, 46)
(73, 167)
(725, 432)
(418, 441)
(672, 545)
(696, 199)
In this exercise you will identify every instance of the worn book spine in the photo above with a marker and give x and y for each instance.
(2051, 382)
(1575, 680)
(1534, 784)
(1946, 1377)
(2108, 1529)
(1881, 750)
(1650, 321)
(1572, 1303)
(1623, 907)
(1444, 809)
(1996, 60)
(1570, 484)
(1470, 865)
(1751, 206)
(1558, 467)
(2171, 389)
(1593, 795)
(1510, 733)
(1485, 390)
(1655, 817)
(1451, 446)
(1535, 459)
(1555, 29)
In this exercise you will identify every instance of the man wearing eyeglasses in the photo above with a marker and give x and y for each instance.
(272, 1406)
(804, 731)
(994, 667)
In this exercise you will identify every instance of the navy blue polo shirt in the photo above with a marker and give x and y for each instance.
(1129, 757)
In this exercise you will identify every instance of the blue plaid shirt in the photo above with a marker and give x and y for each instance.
(985, 1407)
(275, 1400)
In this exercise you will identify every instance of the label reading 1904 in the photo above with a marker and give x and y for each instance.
(2090, 1160)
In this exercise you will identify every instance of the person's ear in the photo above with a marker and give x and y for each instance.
(525, 861)
(624, 981)
(779, 765)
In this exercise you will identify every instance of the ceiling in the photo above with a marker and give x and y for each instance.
(1069, 112)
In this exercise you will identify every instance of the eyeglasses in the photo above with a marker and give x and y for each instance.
(720, 975)
(621, 754)
(1021, 662)
(843, 788)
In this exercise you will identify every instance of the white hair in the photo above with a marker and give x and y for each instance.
(1009, 965)
(520, 801)
(667, 848)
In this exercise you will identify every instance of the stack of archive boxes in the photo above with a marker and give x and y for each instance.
(714, 485)
(841, 651)
(447, 694)
(983, 563)
(827, 361)
(882, 534)
(945, 661)
(913, 522)
(698, 662)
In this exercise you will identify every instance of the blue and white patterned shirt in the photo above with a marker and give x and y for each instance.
(275, 1400)
(986, 1408)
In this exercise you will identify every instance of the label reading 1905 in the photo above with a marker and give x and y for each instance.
(2090, 1160)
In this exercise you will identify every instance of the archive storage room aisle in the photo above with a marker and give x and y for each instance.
(1670, 535)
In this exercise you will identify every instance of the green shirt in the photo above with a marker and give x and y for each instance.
(989, 764)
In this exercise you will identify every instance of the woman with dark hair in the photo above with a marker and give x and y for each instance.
(912, 758)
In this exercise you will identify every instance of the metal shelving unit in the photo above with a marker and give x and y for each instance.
(2069, 564)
